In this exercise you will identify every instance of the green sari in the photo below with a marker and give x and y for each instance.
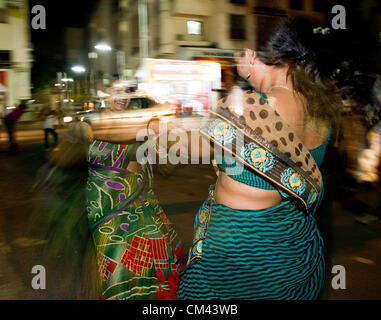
(138, 251)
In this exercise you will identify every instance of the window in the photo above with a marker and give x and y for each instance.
(296, 4)
(3, 16)
(5, 59)
(194, 27)
(237, 27)
(134, 35)
(115, 5)
(156, 24)
(239, 2)
(123, 26)
(15, 4)
(123, 4)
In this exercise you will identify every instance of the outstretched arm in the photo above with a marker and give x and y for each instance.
(133, 125)
(125, 127)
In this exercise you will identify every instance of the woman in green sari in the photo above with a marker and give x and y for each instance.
(138, 252)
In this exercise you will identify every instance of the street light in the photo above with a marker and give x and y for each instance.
(102, 47)
(78, 69)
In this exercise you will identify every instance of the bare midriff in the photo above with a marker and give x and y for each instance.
(237, 195)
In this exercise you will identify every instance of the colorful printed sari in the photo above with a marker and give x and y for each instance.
(138, 251)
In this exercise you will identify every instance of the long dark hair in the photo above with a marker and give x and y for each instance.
(310, 62)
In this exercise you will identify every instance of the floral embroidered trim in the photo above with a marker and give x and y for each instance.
(291, 179)
(257, 157)
(222, 132)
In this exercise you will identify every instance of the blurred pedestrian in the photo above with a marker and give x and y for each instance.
(360, 138)
(50, 124)
(368, 178)
(360, 90)
(10, 122)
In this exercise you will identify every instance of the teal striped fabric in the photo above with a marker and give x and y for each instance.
(275, 253)
(270, 254)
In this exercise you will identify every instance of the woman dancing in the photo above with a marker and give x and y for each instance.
(138, 251)
(256, 236)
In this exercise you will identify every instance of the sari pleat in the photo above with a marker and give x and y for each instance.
(138, 251)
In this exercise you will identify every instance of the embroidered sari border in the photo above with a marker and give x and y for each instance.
(282, 163)
(268, 146)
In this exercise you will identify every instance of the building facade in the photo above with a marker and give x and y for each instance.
(15, 53)
(187, 29)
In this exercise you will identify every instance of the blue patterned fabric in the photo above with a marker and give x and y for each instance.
(246, 176)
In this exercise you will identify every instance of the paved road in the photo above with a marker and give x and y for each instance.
(354, 246)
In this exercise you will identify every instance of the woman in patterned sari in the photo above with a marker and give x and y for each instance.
(138, 251)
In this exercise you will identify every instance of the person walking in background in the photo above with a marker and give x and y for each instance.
(10, 121)
(51, 122)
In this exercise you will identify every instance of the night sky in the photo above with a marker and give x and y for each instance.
(48, 44)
